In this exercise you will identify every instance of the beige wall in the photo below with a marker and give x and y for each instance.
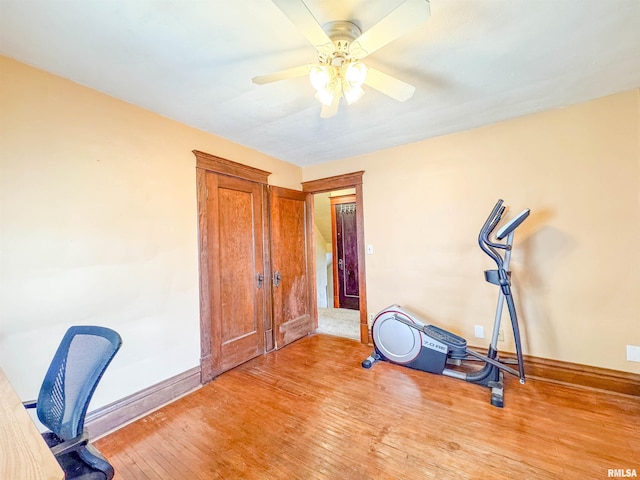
(577, 258)
(99, 226)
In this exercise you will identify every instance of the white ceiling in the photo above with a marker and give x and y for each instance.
(473, 63)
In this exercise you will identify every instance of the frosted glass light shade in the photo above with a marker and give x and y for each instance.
(356, 74)
(319, 77)
(352, 94)
(325, 96)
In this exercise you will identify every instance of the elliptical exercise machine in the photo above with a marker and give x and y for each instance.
(402, 337)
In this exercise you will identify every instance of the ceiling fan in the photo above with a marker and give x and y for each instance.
(341, 46)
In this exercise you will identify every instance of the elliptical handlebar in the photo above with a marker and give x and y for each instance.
(494, 217)
(489, 226)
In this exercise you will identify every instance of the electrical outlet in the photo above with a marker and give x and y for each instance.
(633, 353)
(479, 331)
(501, 336)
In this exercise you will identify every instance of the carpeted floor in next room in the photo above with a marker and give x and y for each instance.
(340, 322)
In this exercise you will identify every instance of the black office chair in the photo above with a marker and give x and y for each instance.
(74, 373)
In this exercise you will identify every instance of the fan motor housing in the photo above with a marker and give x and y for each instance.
(342, 30)
(341, 33)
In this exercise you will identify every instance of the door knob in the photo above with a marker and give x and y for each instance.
(259, 280)
(276, 278)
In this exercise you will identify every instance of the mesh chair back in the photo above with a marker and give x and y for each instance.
(74, 373)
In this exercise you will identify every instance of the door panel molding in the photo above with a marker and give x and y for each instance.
(340, 182)
(211, 163)
(206, 361)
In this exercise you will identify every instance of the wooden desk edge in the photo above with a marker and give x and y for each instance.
(25, 454)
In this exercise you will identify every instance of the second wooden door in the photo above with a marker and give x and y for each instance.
(293, 271)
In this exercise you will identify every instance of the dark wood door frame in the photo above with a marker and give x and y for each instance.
(341, 182)
(210, 163)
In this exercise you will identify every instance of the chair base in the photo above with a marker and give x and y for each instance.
(87, 463)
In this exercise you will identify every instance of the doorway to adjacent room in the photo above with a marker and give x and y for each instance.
(339, 256)
(337, 284)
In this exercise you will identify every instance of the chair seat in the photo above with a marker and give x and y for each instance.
(85, 464)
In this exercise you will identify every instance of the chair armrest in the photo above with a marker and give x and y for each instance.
(30, 404)
(70, 445)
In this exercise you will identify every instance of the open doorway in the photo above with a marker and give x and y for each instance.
(334, 187)
(337, 282)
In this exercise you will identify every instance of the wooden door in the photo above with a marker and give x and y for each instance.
(235, 244)
(292, 266)
(345, 246)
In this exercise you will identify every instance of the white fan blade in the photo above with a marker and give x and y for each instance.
(282, 75)
(408, 15)
(391, 86)
(304, 20)
(330, 110)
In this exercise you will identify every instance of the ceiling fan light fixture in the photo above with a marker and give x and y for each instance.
(356, 74)
(319, 77)
(351, 94)
(325, 96)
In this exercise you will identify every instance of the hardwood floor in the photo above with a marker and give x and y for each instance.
(309, 411)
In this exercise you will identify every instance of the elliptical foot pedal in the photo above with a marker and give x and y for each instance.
(370, 360)
(497, 400)
(457, 345)
(497, 391)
